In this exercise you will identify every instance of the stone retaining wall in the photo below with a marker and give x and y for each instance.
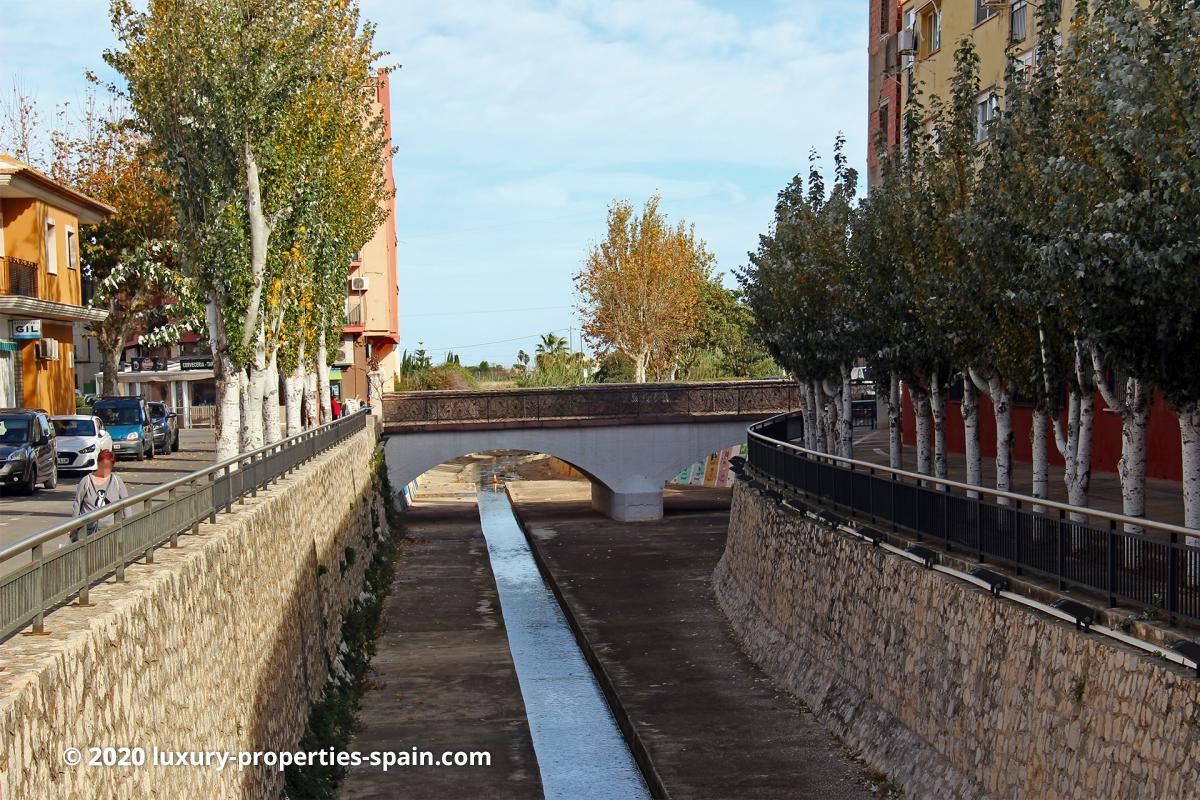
(948, 690)
(221, 645)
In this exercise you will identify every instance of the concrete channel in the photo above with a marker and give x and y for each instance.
(579, 746)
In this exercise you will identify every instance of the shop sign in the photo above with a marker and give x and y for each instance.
(26, 329)
(195, 362)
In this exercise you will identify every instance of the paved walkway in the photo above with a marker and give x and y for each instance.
(713, 724)
(1164, 499)
(442, 677)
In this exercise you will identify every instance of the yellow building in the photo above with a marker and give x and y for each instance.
(41, 288)
(932, 30)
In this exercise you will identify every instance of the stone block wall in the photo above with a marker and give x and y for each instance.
(221, 645)
(952, 692)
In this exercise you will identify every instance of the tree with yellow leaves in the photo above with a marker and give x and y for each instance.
(640, 289)
(225, 90)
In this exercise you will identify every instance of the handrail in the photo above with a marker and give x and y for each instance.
(1122, 519)
(168, 510)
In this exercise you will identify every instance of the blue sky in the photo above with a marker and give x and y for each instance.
(518, 121)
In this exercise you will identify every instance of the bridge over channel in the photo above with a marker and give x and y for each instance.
(629, 439)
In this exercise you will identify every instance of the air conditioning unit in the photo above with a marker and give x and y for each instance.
(345, 353)
(359, 284)
(997, 4)
(47, 349)
(907, 42)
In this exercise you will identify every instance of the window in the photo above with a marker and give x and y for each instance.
(1020, 20)
(984, 10)
(885, 133)
(884, 23)
(987, 107)
(72, 250)
(51, 248)
(930, 30)
(910, 24)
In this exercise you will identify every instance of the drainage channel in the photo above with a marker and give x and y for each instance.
(580, 750)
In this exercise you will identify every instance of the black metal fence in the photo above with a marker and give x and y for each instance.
(1155, 570)
(142, 523)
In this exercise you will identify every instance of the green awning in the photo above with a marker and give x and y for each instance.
(11, 347)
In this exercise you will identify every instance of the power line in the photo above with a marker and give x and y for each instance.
(501, 341)
(483, 311)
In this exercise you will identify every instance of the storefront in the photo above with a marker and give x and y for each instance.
(185, 384)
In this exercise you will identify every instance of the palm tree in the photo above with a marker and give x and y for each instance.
(552, 345)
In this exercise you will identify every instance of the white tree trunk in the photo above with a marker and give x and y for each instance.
(1041, 467)
(252, 405)
(819, 415)
(1001, 396)
(846, 423)
(312, 408)
(1075, 443)
(293, 398)
(895, 425)
(922, 413)
(1189, 431)
(641, 363)
(937, 407)
(228, 386)
(270, 402)
(260, 234)
(323, 379)
(1134, 411)
(970, 415)
(812, 422)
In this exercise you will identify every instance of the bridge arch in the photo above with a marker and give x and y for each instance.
(629, 464)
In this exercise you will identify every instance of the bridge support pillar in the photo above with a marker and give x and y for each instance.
(637, 503)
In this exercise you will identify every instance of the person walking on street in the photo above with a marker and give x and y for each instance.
(335, 407)
(99, 489)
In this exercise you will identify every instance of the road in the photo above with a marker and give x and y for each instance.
(21, 516)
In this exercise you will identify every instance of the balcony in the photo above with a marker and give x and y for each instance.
(20, 278)
(355, 315)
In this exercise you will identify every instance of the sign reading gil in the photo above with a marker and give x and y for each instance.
(27, 329)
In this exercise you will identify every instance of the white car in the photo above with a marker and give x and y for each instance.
(80, 440)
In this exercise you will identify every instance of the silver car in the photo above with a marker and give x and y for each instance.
(80, 440)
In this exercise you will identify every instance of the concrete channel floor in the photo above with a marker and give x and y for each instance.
(714, 725)
(442, 678)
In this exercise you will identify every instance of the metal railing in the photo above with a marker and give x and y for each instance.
(1154, 570)
(21, 277)
(142, 523)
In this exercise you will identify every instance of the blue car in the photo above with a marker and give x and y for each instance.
(128, 422)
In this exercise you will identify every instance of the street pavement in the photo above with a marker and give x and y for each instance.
(22, 516)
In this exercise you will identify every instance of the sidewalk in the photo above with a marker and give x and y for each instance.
(1164, 499)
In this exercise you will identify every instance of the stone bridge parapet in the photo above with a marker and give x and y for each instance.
(578, 406)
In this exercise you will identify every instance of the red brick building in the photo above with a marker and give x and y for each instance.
(883, 95)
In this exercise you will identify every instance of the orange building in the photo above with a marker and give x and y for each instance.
(367, 359)
(41, 289)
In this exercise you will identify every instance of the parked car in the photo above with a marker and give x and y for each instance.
(81, 438)
(27, 449)
(128, 422)
(166, 427)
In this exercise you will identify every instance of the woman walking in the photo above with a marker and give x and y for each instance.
(99, 489)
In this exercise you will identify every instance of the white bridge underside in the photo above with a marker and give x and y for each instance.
(629, 464)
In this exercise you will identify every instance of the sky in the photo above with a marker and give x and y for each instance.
(518, 122)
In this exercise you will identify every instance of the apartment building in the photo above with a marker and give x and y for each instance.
(367, 360)
(883, 83)
(42, 291)
(931, 30)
